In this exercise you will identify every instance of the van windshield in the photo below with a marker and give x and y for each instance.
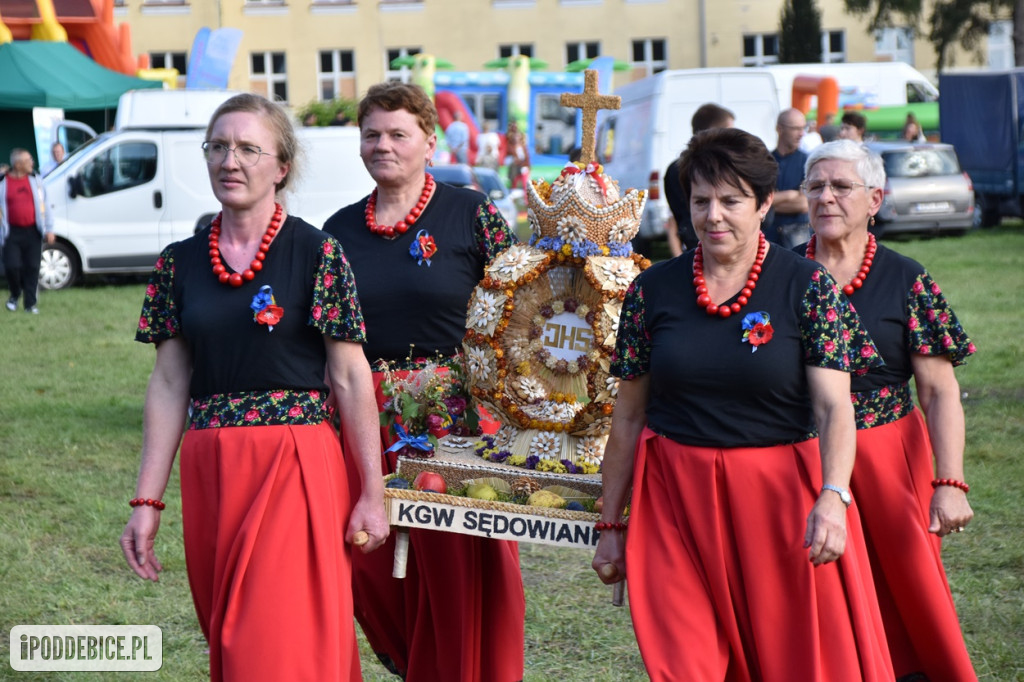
(918, 92)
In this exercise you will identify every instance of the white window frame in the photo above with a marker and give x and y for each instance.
(895, 43)
(1000, 45)
(581, 49)
(336, 75)
(759, 58)
(404, 73)
(270, 77)
(514, 50)
(828, 57)
(649, 65)
(168, 57)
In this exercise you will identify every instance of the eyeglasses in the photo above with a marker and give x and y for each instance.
(840, 188)
(245, 154)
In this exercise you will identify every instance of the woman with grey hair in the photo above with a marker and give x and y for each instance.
(905, 510)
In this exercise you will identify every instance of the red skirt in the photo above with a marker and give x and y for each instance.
(892, 478)
(265, 510)
(720, 584)
(457, 616)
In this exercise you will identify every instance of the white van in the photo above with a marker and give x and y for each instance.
(637, 142)
(863, 85)
(119, 200)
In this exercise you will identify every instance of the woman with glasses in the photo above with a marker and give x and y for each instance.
(245, 316)
(906, 507)
(734, 426)
(418, 248)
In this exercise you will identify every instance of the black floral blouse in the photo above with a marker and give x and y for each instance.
(258, 351)
(906, 314)
(416, 307)
(738, 381)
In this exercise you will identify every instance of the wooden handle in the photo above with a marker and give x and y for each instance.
(360, 538)
(401, 554)
(610, 572)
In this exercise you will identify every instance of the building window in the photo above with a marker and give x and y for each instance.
(1000, 45)
(761, 49)
(649, 56)
(833, 47)
(895, 44)
(170, 60)
(506, 51)
(577, 51)
(336, 74)
(268, 75)
(401, 73)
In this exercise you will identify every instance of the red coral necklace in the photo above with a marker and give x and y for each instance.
(865, 265)
(402, 226)
(236, 279)
(704, 299)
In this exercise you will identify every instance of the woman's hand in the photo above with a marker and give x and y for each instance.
(826, 529)
(368, 517)
(137, 543)
(950, 511)
(610, 554)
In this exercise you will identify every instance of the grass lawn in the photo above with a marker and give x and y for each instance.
(70, 430)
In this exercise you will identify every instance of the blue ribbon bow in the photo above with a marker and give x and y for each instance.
(421, 442)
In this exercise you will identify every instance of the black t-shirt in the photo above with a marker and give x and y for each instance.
(708, 387)
(231, 352)
(675, 195)
(419, 309)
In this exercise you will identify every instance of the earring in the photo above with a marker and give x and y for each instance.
(871, 221)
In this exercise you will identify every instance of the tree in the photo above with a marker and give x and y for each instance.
(952, 22)
(800, 32)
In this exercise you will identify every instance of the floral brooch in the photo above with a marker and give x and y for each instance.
(423, 248)
(757, 329)
(263, 308)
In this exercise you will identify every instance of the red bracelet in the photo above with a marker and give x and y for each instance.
(611, 525)
(951, 482)
(142, 501)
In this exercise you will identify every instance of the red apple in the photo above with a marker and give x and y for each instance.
(428, 481)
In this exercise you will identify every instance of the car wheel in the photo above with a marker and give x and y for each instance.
(58, 267)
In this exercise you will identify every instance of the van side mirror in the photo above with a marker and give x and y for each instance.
(497, 193)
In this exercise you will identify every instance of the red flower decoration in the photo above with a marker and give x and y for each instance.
(270, 315)
(423, 248)
(757, 330)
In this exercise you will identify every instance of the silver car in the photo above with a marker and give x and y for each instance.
(925, 189)
(481, 179)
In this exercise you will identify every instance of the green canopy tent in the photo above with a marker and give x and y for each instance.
(47, 74)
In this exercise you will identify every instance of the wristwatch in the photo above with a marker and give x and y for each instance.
(844, 494)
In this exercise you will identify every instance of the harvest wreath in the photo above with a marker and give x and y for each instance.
(541, 324)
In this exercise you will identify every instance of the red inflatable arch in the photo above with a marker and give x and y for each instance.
(824, 87)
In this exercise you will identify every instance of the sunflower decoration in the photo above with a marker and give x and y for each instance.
(541, 324)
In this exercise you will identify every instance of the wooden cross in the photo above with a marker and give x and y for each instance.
(590, 100)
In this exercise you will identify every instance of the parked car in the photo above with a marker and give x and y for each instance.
(925, 189)
(481, 179)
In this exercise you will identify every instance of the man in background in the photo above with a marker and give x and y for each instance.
(56, 156)
(829, 130)
(788, 223)
(679, 228)
(24, 221)
(457, 137)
